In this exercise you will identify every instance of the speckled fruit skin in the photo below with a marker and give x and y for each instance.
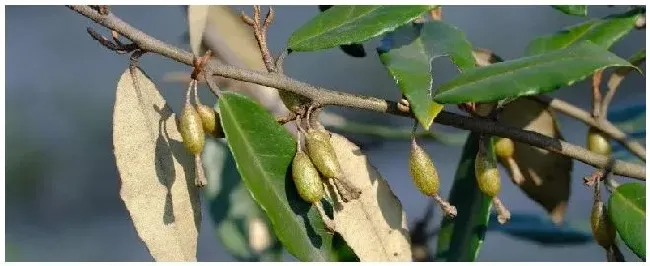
(191, 128)
(487, 175)
(305, 176)
(504, 148)
(322, 153)
(210, 121)
(597, 142)
(423, 172)
(601, 227)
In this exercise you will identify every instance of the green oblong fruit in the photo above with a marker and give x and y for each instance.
(423, 172)
(305, 176)
(487, 175)
(601, 226)
(504, 148)
(597, 142)
(210, 121)
(322, 153)
(191, 129)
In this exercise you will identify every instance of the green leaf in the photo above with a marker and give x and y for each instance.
(604, 32)
(461, 238)
(233, 210)
(407, 54)
(626, 207)
(529, 75)
(263, 151)
(353, 49)
(351, 24)
(572, 10)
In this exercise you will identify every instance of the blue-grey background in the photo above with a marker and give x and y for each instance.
(62, 200)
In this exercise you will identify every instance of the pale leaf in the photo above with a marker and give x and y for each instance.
(156, 171)
(552, 169)
(233, 43)
(374, 225)
(197, 16)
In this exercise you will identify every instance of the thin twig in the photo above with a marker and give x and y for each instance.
(260, 28)
(604, 126)
(279, 62)
(486, 57)
(596, 98)
(212, 84)
(322, 97)
(613, 83)
(120, 48)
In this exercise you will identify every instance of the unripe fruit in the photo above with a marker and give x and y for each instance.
(210, 121)
(191, 129)
(487, 175)
(504, 148)
(322, 153)
(601, 227)
(305, 176)
(423, 171)
(597, 142)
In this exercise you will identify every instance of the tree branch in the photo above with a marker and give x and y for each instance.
(322, 97)
(603, 125)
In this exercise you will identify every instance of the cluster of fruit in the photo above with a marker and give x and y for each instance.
(196, 121)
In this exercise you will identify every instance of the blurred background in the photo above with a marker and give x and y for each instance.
(62, 201)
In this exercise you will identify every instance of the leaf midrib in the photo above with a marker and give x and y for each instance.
(336, 26)
(257, 166)
(631, 203)
(509, 72)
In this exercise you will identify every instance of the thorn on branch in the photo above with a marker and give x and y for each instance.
(116, 46)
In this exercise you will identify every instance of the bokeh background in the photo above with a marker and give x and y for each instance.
(62, 201)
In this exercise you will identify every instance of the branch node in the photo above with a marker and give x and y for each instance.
(117, 46)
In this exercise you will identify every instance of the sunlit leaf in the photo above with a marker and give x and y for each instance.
(351, 24)
(407, 54)
(156, 171)
(626, 207)
(604, 32)
(529, 75)
(263, 151)
(374, 225)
